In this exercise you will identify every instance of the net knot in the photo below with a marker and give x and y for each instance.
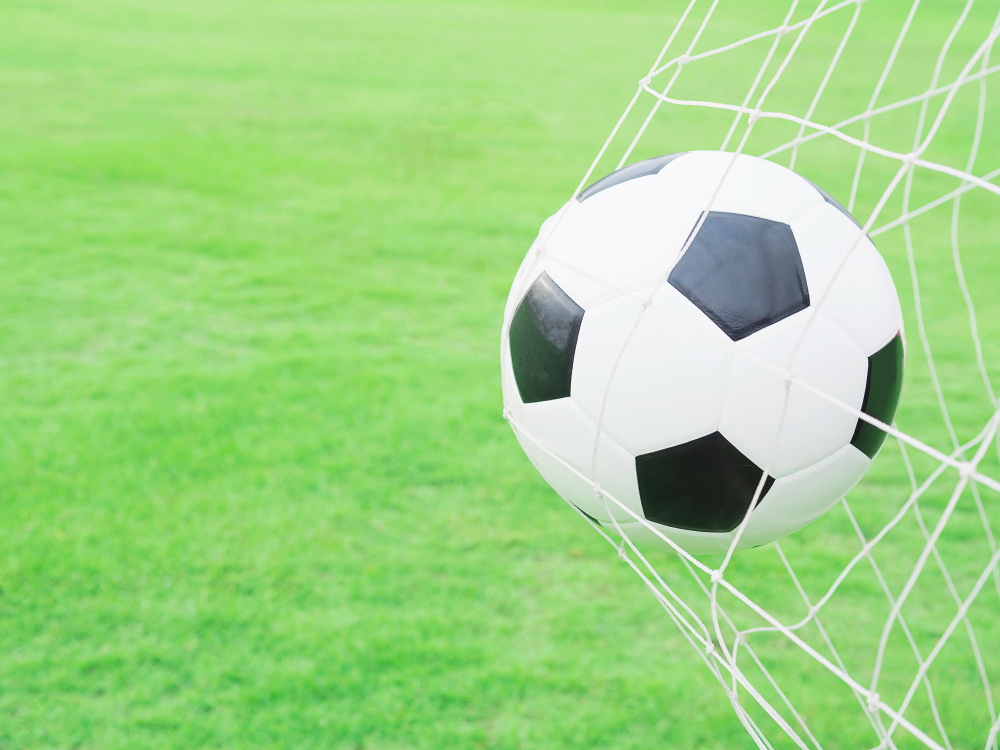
(506, 413)
(813, 610)
(911, 158)
(683, 60)
(873, 701)
(622, 554)
(782, 30)
(709, 647)
(598, 490)
(644, 82)
(967, 470)
(716, 576)
(754, 116)
(787, 378)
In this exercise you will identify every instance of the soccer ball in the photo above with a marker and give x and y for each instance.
(659, 376)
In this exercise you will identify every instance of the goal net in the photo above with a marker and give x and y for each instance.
(879, 624)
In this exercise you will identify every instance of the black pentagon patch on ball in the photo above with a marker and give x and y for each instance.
(706, 484)
(642, 168)
(743, 272)
(885, 381)
(543, 335)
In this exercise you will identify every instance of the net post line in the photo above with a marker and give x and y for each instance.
(924, 554)
(787, 631)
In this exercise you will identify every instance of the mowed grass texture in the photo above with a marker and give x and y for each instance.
(255, 485)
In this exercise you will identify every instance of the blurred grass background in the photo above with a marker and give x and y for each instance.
(255, 486)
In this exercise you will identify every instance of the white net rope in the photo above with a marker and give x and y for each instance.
(878, 626)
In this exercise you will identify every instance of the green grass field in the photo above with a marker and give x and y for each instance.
(256, 489)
